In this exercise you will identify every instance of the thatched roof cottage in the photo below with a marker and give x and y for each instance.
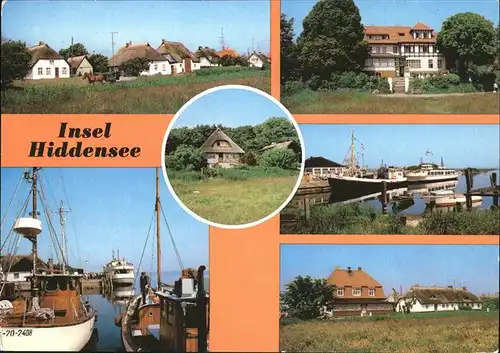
(46, 63)
(179, 57)
(80, 65)
(208, 57)
(221, 150)
(157, 65)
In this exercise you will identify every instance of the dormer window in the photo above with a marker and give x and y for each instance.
(356, 292)
(340, 292)
(401, 34)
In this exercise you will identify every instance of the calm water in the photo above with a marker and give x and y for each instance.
(107, 336)
(415, 204)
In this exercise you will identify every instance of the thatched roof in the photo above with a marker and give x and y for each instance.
(75, 61)
(441, 295)
(42, 51)
(208, 53)
(287, 144)
(175, 52)
(131, 51)
(20, 263)
(218, 135)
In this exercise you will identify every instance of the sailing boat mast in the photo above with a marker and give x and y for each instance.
(63, 238)
(352, 150)
(158, 243)
(34, 240)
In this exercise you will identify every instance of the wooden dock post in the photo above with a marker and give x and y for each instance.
(307, 208)
(493, 181)
(383, 197)
(468, 183)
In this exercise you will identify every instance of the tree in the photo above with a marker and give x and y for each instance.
(249, 159)
(275, 130)
(289, 63)
(227, 60)
(15, 61)
(76, 49)
(186, 158)
(307, 298)
(469, 38)
(332, 39)
(99, 62)
(283, 158)
(134, 67)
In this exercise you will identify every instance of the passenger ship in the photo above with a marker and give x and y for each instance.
(431, 173)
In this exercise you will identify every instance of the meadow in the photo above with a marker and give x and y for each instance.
(444, 332)
(235, 195)
(354, 218)
(307, 101)
(145, 95)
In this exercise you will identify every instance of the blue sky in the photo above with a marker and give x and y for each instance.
(472, 266)
(111, 209)
(400, 12)
(193, 23)
(474, 146)
(231, 108)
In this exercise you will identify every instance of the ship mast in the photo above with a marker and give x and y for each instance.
(351, 161)
(63, 238)
(158, 242)
(34, 240)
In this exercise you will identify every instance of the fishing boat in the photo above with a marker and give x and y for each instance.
(170, 318)
(428, 172)
(354, 177)
(119, 271)
(448, 198)
(53, 317)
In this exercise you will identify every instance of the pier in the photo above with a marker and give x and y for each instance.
(492, 191)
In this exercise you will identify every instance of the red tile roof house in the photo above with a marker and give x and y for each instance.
(421, 299)
(46, 63)
(403, 51)
(357, 294)
(181, 59)
(157, 64)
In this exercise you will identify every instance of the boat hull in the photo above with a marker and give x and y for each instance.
(364, 186)
(125, 278)
(450, 201)
(71, 338)
(430, 178)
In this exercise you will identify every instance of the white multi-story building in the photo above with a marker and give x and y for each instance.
(398, 51)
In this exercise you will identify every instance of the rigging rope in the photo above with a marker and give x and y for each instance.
(173, 240)
(143, 249)
(22, 211)
(12, 199)
(52, 231)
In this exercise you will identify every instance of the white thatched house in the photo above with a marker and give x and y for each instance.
(46, 63)
(180, 59)
(157, 65)
(221, 150)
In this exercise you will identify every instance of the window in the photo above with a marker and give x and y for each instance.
(164, 67)
(64, 71)
(415, 64)
(340, 292)
(395, 49)
(384, 49)
(356, 292)
(40, 71)
(156, 67)
(427, 306)
(369, 62)
(440, 63)
(16, 275)
(48, 71)
(51, 62)
(425, 49)
(371, 292)
(431, 64)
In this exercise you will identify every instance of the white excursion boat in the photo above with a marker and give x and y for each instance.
(428, 172)
(120, 271)
(448, 198)
(53, 317)
(355, 178)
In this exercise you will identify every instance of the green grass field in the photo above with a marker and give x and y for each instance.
(146, 95)
(311, 102)
(451, 332)
(235, 197)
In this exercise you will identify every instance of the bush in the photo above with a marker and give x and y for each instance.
(293, 87)
(280, 158)
(474, 222)
(134, 66)
(440, 84)
(249, 159)
(347, 81)
(186, 158)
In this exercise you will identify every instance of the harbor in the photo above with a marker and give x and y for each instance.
(46, 304)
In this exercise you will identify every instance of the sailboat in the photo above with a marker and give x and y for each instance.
(54, 316)
(171, 318)
(358, 179)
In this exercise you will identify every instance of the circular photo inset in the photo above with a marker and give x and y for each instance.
(233, 157)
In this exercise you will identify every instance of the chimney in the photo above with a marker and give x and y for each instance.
(451, 287)
(127, 45)
(464, 289)
(349, 271)
(41, 43)
(359, 268)
(50, 263)
(337, 267)
(200, 47)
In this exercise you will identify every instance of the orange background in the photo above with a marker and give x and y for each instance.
(244, 264)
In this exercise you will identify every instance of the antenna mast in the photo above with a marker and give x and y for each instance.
(222, 44)
(113, 43)
(158, 242)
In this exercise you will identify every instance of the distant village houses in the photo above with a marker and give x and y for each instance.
(80, 65)
(157, 65)
(258, 60)
(321, 167)
(179, 57)
(220, 150)
(208, 57)
(46, 63)
(421, 299)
